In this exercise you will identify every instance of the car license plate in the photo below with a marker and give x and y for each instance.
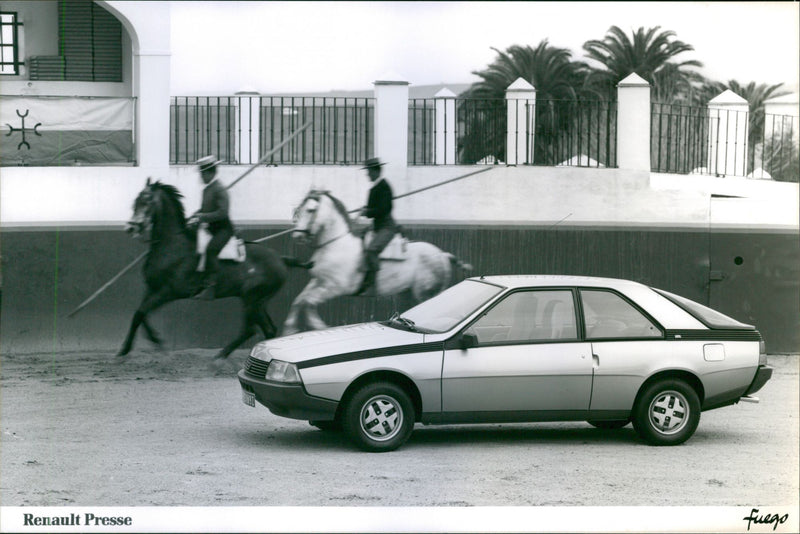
(248, 398)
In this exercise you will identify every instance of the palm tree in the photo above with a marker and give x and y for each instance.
(554, 75)
(649, 55)
(549, 69)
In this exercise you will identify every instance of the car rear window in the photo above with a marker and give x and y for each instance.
(709, 317)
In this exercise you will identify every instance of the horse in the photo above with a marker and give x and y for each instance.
(170, 268)
(336, 264)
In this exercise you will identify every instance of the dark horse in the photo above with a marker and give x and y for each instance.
(170, 269)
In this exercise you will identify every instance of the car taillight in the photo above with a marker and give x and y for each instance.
(762, 352)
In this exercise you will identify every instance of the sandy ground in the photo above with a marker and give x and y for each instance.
(170, 429)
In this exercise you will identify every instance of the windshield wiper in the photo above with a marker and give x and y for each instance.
(408, 323)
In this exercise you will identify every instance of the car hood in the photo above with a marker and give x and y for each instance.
(332, 341)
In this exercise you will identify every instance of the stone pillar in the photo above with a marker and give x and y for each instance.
(248, 129)
(391, 123)
(633, 124)
(728, 116)
(445, 147)
(520, 112)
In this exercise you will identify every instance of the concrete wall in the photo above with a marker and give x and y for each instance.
(503, 195)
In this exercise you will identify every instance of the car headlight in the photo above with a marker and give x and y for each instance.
(281, 371)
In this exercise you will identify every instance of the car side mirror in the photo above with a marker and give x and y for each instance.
(468, 340)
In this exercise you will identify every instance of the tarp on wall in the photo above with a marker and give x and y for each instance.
(65, 131)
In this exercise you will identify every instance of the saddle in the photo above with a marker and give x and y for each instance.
(395, 250)
(233, 249)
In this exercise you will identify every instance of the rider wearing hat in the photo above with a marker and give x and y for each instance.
(379, 209)
(214, 212)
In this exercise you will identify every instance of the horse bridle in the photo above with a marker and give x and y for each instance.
(314, 195)
(145, 224)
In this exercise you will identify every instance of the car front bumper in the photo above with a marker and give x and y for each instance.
(287, 400)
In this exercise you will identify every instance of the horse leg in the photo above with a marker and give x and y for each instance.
(249, 320)
(321, 293)
(150, 302)
(152, 335)
(290, 326)
(304, 307)
(313, 318)
(265, 322)
(297, 311)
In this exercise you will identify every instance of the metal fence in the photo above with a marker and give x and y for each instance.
(542, 132)
(776, 150)
(679, 138)
(462, 131)
(576, 133)
(718, 142)
(243, 129)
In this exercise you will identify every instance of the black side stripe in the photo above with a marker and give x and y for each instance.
(713, 335)
(374, 353)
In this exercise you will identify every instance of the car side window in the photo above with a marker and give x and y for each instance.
(529, 316)
(609, 316)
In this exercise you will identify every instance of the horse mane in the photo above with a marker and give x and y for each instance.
(338, 204)
(174, 196)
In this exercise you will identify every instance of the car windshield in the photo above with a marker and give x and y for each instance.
(711, 318)
(444, 311)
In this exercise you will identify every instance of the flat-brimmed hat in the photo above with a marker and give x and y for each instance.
(207, 162)
(373, 162)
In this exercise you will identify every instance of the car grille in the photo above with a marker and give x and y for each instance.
(255, 368)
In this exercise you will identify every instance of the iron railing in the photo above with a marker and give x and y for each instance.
(576, 133)
(776, 149)
(541, 132)
(341, 132)
(720, 142)
(241, 129)
(679, 138)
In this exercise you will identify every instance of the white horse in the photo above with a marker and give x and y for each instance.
(337, 268)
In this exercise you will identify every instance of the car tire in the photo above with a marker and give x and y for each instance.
(379, 417)
(327, 426)
(667, 412)
(610, 425)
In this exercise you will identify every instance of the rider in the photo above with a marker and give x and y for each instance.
(379, 209)
(214, 212)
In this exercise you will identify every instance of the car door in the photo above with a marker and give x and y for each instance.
(526, 358)
(626, 344)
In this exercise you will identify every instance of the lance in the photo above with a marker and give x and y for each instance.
(127, 268)
(269, 154)
(105, 286)
(414, 192)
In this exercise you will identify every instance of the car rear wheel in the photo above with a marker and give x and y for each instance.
(379, 417)
(667, 412)
(609, 425)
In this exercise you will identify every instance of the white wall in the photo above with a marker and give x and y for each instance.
(103, 196)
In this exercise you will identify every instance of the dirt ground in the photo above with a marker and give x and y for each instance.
(170, 429)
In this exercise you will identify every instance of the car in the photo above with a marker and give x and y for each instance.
(516, 348)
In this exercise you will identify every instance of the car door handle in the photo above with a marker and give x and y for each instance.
(595, 361)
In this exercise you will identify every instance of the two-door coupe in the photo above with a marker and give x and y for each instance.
(515, 349)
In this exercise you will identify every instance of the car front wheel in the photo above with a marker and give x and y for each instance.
(667, 412)
(379, 417)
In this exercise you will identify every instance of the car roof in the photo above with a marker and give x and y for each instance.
(513, 281)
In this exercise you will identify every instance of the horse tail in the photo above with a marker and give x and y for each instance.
(458, 264)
